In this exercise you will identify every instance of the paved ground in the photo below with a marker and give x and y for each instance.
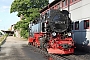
(16, 49)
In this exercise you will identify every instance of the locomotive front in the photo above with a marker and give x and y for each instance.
(59, 27)
(59, 22)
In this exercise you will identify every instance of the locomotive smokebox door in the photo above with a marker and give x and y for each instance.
(59, 20)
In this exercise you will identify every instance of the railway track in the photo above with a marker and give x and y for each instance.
(75, 56)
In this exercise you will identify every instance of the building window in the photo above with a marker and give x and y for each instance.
(74, 0)
(77, 25)
(59, 6)
(56, 7)
(69, 2)
(86, 24)
(65, 3)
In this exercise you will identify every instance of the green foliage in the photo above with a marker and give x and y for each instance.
(23, 6)
(6, 35)
(30, 10)
(24, 33)
(14, 35)
(2, 38)
(1, 33)
(22, 24)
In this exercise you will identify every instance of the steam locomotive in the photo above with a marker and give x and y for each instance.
(52, 32)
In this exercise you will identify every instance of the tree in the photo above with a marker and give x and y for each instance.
(24, 6)
(29, 9)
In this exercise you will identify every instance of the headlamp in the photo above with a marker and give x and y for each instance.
(53, 34)
(69, 34)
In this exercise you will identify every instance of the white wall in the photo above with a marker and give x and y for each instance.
(81, 11)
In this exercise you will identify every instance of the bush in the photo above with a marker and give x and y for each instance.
(24, 33)
(14, 35)
(3, 37)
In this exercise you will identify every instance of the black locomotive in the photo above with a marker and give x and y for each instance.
(53, 32)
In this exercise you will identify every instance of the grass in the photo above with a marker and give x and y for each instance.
(2, 38)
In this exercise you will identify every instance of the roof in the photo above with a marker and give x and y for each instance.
(49, 5)
(7, 31)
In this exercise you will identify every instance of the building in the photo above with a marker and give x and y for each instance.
(12, 27)
(79, 14)
(80, 17)
(16, 33)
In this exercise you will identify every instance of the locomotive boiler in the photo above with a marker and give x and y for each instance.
(52, 32)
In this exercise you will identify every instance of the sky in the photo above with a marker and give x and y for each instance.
(6, 18)
(51, 1)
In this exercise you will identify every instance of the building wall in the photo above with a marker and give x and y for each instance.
(17, 33)
(80, 12)
(12, 27)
